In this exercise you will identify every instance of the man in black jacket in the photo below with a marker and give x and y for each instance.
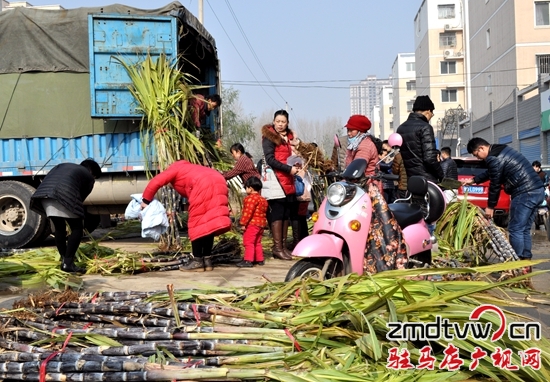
(418, 150)
(448, 165)
(61, 197)
(507, 167)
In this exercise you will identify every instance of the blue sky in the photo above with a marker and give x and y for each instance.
(304, 52)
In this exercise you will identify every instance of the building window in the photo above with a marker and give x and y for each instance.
(542, 13)
(410, 67)
(411, 85)
(543, 63)
(391, 110)
(448, 67)
(446, 11)
(488, 38)
(391, 125)
(410, 106)
(448, 95)
(447, 40)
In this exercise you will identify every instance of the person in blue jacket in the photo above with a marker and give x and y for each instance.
(509, 168)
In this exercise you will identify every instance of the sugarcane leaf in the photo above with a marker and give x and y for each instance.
(101, 340)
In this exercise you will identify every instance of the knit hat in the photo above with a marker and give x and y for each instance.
(358, 122)
(423, 103)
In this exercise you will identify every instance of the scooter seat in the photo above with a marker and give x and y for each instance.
(406, 214)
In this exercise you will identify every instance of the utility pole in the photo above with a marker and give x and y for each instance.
(201, 13)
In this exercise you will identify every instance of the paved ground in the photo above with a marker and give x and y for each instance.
(272, 271)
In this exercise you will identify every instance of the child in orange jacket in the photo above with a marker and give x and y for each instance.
(254, 221)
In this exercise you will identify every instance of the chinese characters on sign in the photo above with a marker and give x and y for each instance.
(400, 359)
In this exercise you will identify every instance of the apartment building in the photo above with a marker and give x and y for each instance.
(439, 55)
(403, 87)
(7, 5)
(509, 62)
(385, 126)
(365, 95)
(509, 43)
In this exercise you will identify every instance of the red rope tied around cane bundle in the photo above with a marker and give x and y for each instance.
(44, 363)
(197, 315)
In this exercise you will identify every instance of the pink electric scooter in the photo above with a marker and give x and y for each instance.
(338, 242)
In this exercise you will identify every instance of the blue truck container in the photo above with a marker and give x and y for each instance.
(64, 97)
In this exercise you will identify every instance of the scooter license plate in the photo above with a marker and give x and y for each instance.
(472, 189)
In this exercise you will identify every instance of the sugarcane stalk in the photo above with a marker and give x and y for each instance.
(147, 334)
(168, 268)
(204, 312)
(188, 374)
(211, 345)
(83, 366)
(19, 347)
(64, 357)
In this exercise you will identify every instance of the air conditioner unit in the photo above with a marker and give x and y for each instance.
(448, 27)
(449, 53)
(459, 54)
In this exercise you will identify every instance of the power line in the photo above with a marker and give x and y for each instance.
(230, 40)
(395, 79)
(254, 53)
(283, 85)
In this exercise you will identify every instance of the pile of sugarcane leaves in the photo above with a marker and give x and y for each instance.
(304, 330)
(41, 266)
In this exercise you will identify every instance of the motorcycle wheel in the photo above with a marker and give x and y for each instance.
(312, 268)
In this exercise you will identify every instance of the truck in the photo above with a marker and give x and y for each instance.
(64, 97)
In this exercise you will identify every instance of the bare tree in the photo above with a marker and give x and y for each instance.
(320, 132)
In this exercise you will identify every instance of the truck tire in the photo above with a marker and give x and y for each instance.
(40, 238)
(18, 224)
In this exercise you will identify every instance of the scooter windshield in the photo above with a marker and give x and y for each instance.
(356, 169)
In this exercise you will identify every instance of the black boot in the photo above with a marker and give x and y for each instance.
(244, 264)
(277, 233)
(285, 236)
(208, 266)
(69, 266)
(296, 233)
(195, 265)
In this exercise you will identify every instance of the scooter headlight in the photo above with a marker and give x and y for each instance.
(340, 193)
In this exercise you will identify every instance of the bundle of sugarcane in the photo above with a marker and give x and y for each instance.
(465, 234)
(304, 330)
(34, 269)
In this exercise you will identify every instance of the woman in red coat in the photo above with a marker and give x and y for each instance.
(207, 192)
(277, 148)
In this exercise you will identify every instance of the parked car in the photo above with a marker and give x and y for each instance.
(478, 194)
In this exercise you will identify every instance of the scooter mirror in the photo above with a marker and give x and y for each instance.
(356, 169)
(395, 140)
(337, 141)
